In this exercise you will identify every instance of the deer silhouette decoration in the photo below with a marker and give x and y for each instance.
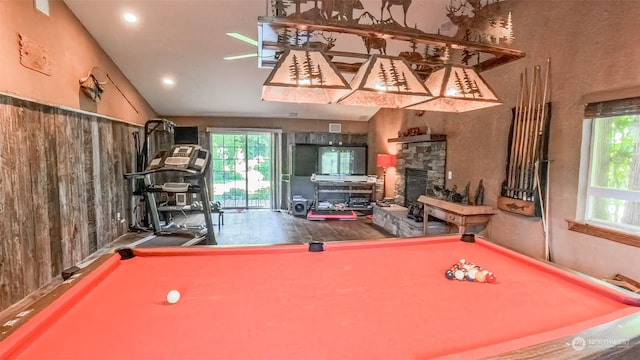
(389, 3)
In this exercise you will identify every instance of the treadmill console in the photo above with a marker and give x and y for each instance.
(184, 157)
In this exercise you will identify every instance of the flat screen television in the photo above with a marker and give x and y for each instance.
(185, 135)
(342, 160)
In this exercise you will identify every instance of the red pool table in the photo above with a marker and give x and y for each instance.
(379, 299)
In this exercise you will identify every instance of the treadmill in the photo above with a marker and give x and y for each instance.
(192, 163)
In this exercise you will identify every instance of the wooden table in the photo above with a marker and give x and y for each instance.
(457, 214)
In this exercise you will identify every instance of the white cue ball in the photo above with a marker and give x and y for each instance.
(173, 296)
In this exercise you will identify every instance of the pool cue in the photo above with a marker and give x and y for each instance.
(514, 139)
(525, 158)
(545, 210)
(547, 236)
(535, 135)
(527, 140)
(540, 121)
(519, 150)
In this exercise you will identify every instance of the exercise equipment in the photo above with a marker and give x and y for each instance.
(156, 136)
(190, 162)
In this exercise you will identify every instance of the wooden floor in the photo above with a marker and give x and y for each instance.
(270, 227)
(252, 227)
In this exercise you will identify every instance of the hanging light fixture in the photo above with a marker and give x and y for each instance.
(457, 88)
(304, 76)
(387, 82)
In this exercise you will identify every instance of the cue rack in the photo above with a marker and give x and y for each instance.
(524, 190)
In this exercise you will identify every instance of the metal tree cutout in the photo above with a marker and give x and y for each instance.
(305, 73)
(393, 78)
(467, 86)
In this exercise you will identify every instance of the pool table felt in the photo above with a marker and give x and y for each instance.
(380, 299)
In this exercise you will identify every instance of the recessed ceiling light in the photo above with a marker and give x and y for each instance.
(130, 18)
(168, 81)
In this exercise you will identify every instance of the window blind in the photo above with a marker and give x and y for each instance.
(613, 108)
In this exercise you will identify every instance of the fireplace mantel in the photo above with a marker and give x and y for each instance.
(418, 138)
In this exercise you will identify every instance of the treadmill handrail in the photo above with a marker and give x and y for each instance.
(141, 174)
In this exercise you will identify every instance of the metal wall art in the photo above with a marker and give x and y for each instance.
(304, 24)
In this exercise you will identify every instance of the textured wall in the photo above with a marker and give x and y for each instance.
(62, 191)
(62, 187)
(592, 45)
(71, 53)
(286, 125)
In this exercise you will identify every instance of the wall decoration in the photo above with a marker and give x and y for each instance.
(482, 23)
(525, 180)
(92, 85)
(34, 55)
(479, 198)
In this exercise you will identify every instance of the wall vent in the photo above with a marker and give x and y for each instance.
(335, 128)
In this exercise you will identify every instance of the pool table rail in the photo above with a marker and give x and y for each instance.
(618, 339)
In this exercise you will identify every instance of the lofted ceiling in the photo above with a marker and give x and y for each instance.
(186, 40)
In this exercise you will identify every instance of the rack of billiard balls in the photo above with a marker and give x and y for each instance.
(465, 270)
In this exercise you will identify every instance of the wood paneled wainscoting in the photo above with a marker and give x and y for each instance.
(62, 191)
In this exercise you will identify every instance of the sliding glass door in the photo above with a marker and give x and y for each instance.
(242, 166)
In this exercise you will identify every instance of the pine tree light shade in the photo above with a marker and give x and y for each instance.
(387, 82)
(304, 76)
(457, 88)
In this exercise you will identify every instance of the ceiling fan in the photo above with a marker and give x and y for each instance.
(246, 39)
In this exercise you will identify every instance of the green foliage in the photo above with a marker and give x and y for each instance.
(234, 156)
(621, 138)
(222, 177)
(235, 193)
(614, 144)
(261, 194)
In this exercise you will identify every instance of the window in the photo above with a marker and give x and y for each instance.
(335, 162)
(342, 160)
(242, 168)
(613, 188)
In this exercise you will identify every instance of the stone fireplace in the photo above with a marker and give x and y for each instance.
(420, 165)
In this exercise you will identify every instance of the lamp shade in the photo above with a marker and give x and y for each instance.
(304, 76)
(385, 81)
(385, 160)
(457, 88)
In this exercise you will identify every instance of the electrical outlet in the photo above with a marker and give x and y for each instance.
(449, 175)
(118, 217)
